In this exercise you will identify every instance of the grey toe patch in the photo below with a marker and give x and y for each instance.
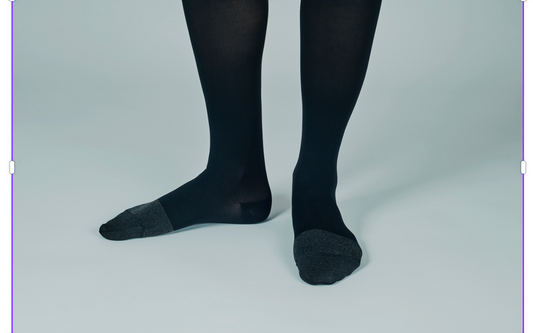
(323, 257)
(153, 218)
(124, 226)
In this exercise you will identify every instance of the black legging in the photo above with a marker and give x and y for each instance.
(228, 38)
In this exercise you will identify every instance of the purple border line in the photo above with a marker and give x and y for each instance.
(523, 158)
(12, 174)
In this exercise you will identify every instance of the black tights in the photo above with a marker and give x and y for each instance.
(227, 38)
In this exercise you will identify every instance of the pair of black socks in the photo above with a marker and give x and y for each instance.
(227, 37)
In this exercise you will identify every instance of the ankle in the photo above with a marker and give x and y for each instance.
(313, 183)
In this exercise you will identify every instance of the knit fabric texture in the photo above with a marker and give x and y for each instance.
(144, 220)
(323, 257)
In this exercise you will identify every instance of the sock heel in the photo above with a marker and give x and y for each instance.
(255, 211)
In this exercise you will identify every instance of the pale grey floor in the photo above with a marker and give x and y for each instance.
(429, 176)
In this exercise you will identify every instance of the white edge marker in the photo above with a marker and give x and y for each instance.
(523, 167)
(11, 167)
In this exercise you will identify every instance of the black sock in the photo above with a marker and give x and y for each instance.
(336, 39)
(227, 38)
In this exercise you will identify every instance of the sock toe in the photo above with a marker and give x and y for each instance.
(144, 220)
(323, 257)
(124, 226)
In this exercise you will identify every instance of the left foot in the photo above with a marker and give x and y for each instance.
(325, 250)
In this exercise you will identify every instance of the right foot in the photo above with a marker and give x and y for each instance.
(207, 198)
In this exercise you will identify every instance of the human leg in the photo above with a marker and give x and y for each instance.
(336, 39)
(227, 38)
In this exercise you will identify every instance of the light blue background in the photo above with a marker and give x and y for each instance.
(429, 176)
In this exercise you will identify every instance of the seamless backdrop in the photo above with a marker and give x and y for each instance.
(429, 176)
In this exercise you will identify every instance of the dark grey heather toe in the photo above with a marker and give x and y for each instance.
(144, 220)
(323, 257)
